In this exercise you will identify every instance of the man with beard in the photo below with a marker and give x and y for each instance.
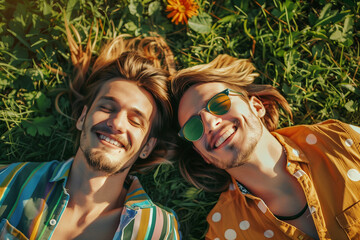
(121, 110)
(300, 182)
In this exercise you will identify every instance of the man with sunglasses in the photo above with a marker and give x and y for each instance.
(121, 109)
(300, 182)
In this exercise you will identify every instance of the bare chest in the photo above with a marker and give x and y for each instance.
(74, 225)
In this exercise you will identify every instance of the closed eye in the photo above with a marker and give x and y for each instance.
(106, 108)
(135, 122)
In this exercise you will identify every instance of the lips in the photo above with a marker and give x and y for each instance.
(109, 140)
(224, 137)
(113, 141)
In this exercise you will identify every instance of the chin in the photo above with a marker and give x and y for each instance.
(98, 161)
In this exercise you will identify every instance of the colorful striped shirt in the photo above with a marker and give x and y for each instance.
(33, 198)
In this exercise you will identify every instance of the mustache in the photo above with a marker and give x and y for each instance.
(105, 129)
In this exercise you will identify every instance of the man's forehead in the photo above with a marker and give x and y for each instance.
(204, 90)
(127, 93)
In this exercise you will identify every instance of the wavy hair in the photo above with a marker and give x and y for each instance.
(239, 75)
(147, 61)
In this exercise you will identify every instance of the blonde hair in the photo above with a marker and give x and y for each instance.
(239, 75)
(148, 62)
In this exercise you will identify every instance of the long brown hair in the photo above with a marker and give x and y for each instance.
(239, 75)
(147, 61)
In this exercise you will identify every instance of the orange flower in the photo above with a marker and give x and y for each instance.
(181, 10)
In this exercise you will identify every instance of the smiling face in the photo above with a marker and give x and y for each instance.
(116, 127)
(230, 139)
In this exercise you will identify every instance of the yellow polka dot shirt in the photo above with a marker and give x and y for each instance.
(325, 159)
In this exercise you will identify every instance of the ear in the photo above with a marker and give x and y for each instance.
(81, 119)
(205, 158)
(148, 147)
(257, 107)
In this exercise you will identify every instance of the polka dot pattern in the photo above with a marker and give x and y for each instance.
(262, 206)
(311, 139)
(268, 234)
(244, 225)
(308, 146)
(216, 217)
(353, 175)
(230, 234)
(349, 142)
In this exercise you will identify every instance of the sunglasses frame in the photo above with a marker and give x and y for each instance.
(227, 92)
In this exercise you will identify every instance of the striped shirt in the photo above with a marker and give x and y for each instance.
(33, 198)
(325, 160)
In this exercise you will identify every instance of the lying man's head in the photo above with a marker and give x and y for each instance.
(124, 105)
(222, 114)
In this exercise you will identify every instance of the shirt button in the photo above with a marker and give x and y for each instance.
(300, 237)
(52, 222)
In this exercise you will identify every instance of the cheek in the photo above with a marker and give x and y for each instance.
(200, 146)
(137, 135)
(98, 117)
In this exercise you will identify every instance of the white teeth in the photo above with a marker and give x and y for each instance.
(224, 137)
(111, 141)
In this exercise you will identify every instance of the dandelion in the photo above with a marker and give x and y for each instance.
(181, 10)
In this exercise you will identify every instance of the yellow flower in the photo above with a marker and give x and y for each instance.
(181, 10)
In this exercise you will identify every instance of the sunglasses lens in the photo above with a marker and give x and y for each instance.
(219, 104)
(193, 129)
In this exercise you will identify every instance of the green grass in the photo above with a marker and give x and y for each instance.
(309, 50)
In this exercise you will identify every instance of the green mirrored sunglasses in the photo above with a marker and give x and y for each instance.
(219, 104)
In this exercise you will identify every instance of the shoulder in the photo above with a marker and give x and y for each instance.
(21, 171)
(331, 141)
(336, 126)
(332, 130)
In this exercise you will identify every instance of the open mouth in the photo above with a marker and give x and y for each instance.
(224, 137)
(109, 140)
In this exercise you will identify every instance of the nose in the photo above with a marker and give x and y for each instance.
(117, 122)
(210, 121)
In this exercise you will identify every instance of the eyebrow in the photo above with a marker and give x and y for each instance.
(133, 109)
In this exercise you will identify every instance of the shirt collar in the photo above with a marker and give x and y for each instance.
(62, 171)
(292, 150)
(136, 196)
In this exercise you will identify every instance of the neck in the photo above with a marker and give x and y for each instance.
(92, 189)
(265, 176)
(265, 169)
